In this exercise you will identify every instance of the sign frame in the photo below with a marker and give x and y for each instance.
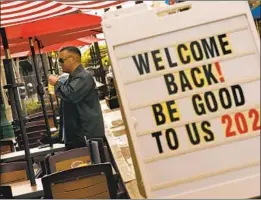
(167, 20)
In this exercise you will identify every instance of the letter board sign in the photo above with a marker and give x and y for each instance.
(188, 77)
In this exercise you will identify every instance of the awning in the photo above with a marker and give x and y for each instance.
(86, 6)
(15, 12)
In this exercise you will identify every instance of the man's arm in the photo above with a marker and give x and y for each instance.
(76, 90)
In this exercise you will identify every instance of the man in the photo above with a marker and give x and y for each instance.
(81, 116)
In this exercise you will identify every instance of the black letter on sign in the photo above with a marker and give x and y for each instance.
(159, 116)
(195, 47)
(171, 64)
(223, 44)
(194, 140)
(206, 128)
(182, 59)
(142, 64)
(157, 136)
(225, 95)
(236, 89)
(157, 59)
(198, 107)
(172, 111)
(184, 82)
(209, 96)
(212, 48)
(194, 77)
(170, 82)
(171, 133)
(209, 75)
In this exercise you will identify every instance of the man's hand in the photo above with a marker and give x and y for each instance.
(53, 79)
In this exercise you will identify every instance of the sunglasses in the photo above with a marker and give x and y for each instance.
(62, 60)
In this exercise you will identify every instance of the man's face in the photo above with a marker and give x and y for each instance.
(66, 61)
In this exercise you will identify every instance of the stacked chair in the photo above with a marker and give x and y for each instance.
(65, 160)
(13, 172)
(6, 147)
(90, 182)
(40, 117)
(35, 129)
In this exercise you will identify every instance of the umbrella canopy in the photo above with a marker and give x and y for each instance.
(47, 40)
(51, 31)
(52, 27)
(77, 43)
(59, 46)
(56, 47)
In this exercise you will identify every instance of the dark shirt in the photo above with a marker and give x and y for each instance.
(81, 111)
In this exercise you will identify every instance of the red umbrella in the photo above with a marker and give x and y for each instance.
(59, 46)
(54, 27)
(56, 47)
(77, 43)
(17, 48)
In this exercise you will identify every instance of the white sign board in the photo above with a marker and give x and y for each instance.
(189, 83)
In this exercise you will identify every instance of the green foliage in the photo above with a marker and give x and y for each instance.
(33, 107)
(106, 58)
(86, 57)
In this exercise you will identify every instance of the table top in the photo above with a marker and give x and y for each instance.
(133, 190)
(120, 151)
(123, 161)
(18, 155)
(24, 190)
